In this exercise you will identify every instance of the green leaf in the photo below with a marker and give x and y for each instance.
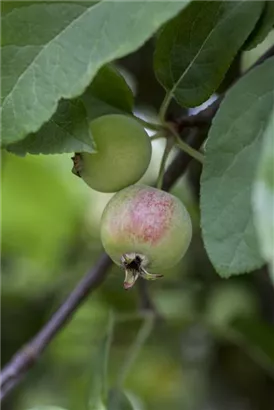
(67, 131)
(230, 165)
(53, 51)
(7, 6)
(98, 393)
(263, 27)
(263, 197)
(108, 94)
(196, 48)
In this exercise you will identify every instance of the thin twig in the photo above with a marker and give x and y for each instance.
(149, 125)
(190, 151)
(157, 135)
(180, 163)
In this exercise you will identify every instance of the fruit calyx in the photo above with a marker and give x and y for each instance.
(77, 164)
(134, 266)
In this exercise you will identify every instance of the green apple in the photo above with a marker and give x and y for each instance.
(123, 153)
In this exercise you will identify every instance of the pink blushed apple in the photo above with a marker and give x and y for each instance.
(145, 230)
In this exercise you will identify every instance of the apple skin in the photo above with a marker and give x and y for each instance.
(123, 154)
(149, 222)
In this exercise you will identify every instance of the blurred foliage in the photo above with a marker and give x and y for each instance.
(212, 349)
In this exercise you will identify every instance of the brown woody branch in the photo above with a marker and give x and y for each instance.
(26, 357)
(204, 117)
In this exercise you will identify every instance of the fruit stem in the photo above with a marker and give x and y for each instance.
(164, 106)
(184, 146)
(149, 125)
(168, 148)
(189, 150)
(157, 136)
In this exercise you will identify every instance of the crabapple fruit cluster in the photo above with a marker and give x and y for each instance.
(143, 229)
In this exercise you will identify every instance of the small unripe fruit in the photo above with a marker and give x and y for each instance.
(144, 228)
(122, 157)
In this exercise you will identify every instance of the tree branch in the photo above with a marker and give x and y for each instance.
(269, 53)
(25, 358)
(204, 117)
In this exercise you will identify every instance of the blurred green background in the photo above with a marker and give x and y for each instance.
(214, 348)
